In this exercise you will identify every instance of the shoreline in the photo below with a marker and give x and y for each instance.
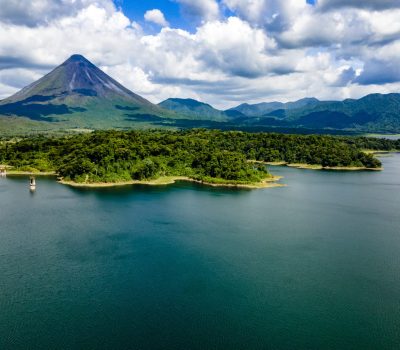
(336, 168)
(11, 171)
(319, 167)
(30, 173)
(168, 180)
(380, 153)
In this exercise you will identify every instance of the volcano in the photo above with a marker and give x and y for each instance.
(79, 94)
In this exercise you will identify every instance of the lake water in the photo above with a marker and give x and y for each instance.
(314, 265)
(385, 136)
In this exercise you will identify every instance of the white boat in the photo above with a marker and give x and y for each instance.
(32, 183)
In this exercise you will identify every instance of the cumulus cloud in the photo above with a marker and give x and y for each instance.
(204, 10)
(296, 23)
(345, 77)
(266, 49)
(157, 17)
(365, 4)
(275, 15)
(379, 72)
(20, 77)
(37, 12)
(237, 49)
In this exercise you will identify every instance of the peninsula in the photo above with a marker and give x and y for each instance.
(154, 157)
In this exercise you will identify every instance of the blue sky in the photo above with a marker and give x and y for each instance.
(224, 52)
(136, 9)
(171, 9)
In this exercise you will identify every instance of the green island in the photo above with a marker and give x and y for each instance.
(157, 157)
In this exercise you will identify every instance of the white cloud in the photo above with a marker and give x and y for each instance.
(139, 81)
(272, 14)
(14, 79)
(236, 49)
(157, 17)
(267, 50)
(37, 12)
(19, 77)
(367, 4)
(205, 10)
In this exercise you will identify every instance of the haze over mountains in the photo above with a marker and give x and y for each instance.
(77, 94)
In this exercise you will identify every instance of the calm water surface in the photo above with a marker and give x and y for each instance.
(315, 265)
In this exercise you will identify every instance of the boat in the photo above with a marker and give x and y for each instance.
(3, 172)
(32, 183)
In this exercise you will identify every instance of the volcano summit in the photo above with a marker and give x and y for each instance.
(79, 94)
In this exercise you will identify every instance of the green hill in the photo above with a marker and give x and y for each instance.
(193, 109)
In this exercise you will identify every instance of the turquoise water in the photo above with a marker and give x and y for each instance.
(314, 265)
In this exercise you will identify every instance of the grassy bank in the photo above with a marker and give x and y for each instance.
(168, 180)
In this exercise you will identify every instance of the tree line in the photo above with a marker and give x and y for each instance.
(208, 155)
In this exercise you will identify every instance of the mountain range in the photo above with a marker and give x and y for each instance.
(372, 113)
(260, 109)
(77, 95)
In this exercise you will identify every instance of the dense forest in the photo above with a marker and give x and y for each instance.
(206, 155)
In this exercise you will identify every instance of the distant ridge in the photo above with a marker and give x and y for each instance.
(371, 113)
(263, 108)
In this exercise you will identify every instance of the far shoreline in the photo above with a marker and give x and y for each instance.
(319, 167)
(30, 173)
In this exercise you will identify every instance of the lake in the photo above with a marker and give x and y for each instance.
(314, 265)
